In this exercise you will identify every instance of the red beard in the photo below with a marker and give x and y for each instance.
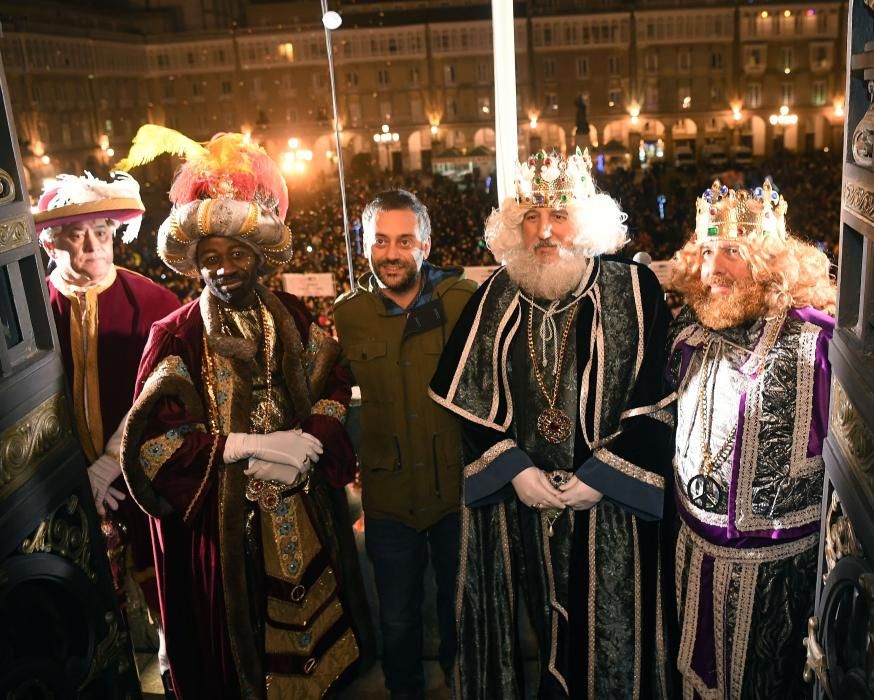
(745, 302)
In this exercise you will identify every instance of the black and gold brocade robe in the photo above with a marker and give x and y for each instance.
(596, 590)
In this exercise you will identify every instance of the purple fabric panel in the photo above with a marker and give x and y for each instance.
(704, 653)
(821, 391)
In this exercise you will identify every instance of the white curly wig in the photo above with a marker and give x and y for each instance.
(598, 221)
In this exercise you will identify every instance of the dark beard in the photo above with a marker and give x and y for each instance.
(745, 303)
(405, 283)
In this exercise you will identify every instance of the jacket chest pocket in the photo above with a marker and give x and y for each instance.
(369, 364)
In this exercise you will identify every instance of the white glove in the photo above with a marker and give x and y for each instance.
(292, 447)
(271, 471)
(101, 474)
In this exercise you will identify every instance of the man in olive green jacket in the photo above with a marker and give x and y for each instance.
(392, 331)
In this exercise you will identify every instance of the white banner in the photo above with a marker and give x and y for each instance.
(479, 274)
(314, 284)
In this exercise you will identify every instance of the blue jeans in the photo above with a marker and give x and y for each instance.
(399, 554)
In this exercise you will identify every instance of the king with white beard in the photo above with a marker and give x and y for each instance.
(555, 369)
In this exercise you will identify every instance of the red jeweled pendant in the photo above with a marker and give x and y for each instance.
(554, 425)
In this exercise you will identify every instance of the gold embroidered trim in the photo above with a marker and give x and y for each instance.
(496, 368)
(505, 547)
(459, 589)
(721, 578)
(638, 306)
(593, 572)
(743, 619)
(661, 661)
(487, 457)
(637, 613)
(799, 464)
(200, 488)
(155, 453)
(649, 410)
(553, 602)
(329, 407)
(462, 361)
(630, 469)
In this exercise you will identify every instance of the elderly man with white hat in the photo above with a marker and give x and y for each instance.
(103, 314)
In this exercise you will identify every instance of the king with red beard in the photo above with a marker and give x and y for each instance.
(749, 359)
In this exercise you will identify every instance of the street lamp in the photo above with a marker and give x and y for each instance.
(386, 137)
(294, 160)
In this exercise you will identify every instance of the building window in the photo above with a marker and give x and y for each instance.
(651, 62)
(786, 55)
(196, 89)
(787, 94)
(449, 74)
(483, 72)
(582, 67)
(717, 94)
(820, 56)
(684, 60)
(484, 106)
(190, 58)
(169, 90)
(551, 102)
(754, 95)
(614, 98)
(716, 60)
(385, 110)
(684, 95)
(351, 79)
(549, 68)
(819, 93)
(227, 87)
(414, 76)
(383, 77)
(754, 58)
(651, 100)
(614, 65)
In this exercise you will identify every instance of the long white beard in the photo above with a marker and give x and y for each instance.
(547, 280)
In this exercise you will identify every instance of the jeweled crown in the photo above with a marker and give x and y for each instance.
(723, 213)
(551, 180)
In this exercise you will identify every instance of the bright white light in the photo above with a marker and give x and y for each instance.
(110, 152)
(45, 160)
(332, 20)
(434, 130)
(533, 123)
(293, 143)
(385, 128)
(395, 136)
(376, 137)
(784, 110)
(309, 249)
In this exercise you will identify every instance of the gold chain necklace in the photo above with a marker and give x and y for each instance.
(703, 490)
(553, 423)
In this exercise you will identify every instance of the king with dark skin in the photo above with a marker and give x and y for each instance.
(229, 268)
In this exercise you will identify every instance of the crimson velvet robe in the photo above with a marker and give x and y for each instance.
(210, 563)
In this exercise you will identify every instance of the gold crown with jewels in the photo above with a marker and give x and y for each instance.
(551, 180)
(727, 214)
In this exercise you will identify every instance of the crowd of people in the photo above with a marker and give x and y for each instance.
(656, 201)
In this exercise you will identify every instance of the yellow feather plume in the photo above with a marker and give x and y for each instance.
(152, 141)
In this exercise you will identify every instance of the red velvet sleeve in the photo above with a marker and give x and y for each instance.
(178, 454)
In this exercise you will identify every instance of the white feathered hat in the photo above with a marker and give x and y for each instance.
(78, 198)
